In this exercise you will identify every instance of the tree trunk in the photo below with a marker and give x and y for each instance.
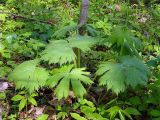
(83, 16)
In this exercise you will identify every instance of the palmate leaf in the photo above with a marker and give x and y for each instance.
(58, 51)
(61, 51)
(66, 77)
(124, 38)
(28, 76)
(82, 42)
(129, 71)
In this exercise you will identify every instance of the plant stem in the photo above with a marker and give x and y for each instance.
(82, 21)
(26, 109)
(75, 63)
(121, 52)
(78, 58)
(26, 97)
(127, 14)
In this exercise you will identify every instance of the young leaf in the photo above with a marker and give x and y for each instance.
(82, 42)
(123, 38)
(121, 35)
(86, 109)
(17, 97)
(95, 116)
(77, 116)
(113, 111)
(29, 77)
(132, 111)
(127, 114)
(22, 104)
(62, 50)
(84, 101)
(62, 115)
(58, 51)
(65, 75)
(121, 115)
(129, 71)
(43, 117)
(32, 101)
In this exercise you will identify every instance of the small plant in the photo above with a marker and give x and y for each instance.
(28, 76)
(63, 50)
(67, 75)
(116, 110)
(25, 99)
(33, 77)
(88, 109)
(129, 71)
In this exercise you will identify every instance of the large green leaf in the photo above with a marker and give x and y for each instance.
(66, 75)
(58, 51)
(129, 71)
(28, 76)
(82, 42)
(61, 51)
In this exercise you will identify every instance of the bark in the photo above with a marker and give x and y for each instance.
(83, 16)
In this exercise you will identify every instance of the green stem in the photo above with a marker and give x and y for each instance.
(26, 108)
(78, 58)
(75, 63)
(121, 52)
(127, 14)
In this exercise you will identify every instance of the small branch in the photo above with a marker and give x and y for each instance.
(15, 16)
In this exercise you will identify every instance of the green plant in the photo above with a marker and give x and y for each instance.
(10, 117)
(128, 71)
(125, 41)
(113, 111)
(88, 109)
(28, 76)
(63, 51)
(25, 99)
(67, 75)
(62, 115)
(33, 77)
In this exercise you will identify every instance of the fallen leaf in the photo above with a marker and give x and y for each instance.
(39, 110)
(3, 86)
(118, 8)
